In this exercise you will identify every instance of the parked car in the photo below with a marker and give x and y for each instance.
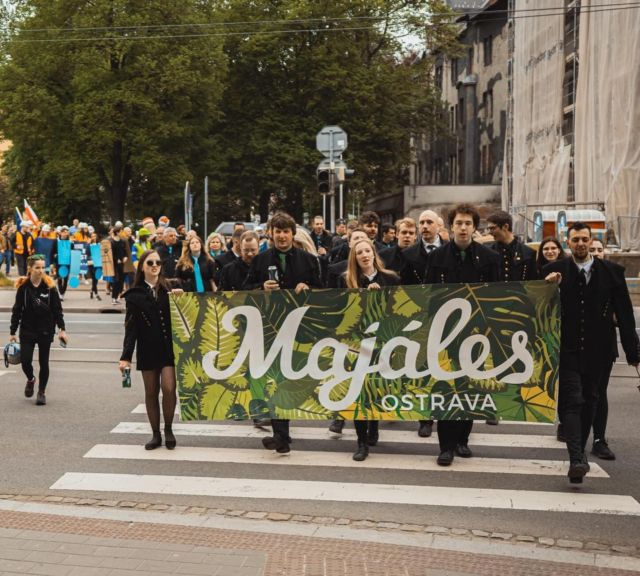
(226, 228)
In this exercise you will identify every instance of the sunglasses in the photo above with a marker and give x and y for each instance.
(153, 262)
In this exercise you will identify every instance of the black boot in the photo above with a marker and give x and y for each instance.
(362, 452)
(373, 433)
(155, 442)
(169, 438)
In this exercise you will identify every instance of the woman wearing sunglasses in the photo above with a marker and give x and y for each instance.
(37, 311)
(148, 328)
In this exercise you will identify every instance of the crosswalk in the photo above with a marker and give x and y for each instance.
(315, 449)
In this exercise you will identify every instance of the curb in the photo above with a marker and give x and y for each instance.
(75, 310)
(428, 536)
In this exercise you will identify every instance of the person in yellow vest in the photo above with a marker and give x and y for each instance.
(23, 246)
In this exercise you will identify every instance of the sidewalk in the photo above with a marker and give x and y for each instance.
(68, 540)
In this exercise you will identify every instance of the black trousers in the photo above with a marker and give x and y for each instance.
(62, 284)
(602, 405)
(364, 428)
(577, 399)
(21, 260)
(94, 280)
(27, 346)
(118, 280)
(453, 432)
(281, 429)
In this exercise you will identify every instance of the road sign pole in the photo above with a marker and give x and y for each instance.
(340, 200)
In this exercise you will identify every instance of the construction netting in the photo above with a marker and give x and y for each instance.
(541, 160)
(607, 155)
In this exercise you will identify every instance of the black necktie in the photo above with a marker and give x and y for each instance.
(430, 248)
(583, 276)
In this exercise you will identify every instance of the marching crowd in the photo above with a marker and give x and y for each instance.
(361, 254)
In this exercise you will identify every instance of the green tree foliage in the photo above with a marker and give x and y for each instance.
(115, 102)
(310, 63)
(104, 111)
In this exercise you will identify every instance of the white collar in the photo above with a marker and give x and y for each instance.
(437, 243)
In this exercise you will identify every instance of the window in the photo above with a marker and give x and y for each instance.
(487, 104)
(454, 71)
(452, 118)
(470, 60)
(461, 112)
(487, 44)
(439, 77)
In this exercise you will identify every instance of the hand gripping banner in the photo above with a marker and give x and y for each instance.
(446, 351)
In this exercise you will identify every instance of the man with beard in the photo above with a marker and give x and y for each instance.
(517, 261)
(592, 291)
(460, 261)
(234, 275)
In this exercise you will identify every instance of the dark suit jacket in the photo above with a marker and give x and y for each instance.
(518, 263)
(301, 267)
(445, 266)
(609, 296)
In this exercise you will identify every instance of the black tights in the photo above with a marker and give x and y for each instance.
(27, 346)
(154, 381)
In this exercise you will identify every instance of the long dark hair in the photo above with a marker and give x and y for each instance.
(541, 261)
(138, 279)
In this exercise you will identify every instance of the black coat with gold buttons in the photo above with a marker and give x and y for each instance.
(148, 328)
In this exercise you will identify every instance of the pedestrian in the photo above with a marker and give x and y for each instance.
(517, 260)
(61, 260)
(231, 254)
(170, 251)
(462, 260)
(215, 244)
(295, 269)
(120, 257)
(44, 244)
(415, 267)
(234, 275)
(322, 239)
(549, 250)
(93, 239)
(37, 311)
(370, 222)
(7, 234)
(148, 331)
(592, 292)
(195, 268)
(141, 245)
(366, 270)
(23, 246)
(4, 243)
(393, 257)
(388, 232)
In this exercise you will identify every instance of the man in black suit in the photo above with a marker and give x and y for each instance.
(370, 222)
(591, 292)
(461, 260)
(393, 257)
(230, 255)
(234, 274)
(517, 261)
(321, 238)
(296, 270)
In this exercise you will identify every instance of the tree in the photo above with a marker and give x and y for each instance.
(296, 65)
(106, 105)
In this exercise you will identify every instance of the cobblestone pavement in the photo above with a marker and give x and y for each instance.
(49, 543)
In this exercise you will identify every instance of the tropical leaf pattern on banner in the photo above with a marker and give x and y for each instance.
(323, 355)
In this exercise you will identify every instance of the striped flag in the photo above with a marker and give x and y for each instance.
(18, 218)
(31, 214)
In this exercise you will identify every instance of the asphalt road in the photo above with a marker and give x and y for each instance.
(86, 402)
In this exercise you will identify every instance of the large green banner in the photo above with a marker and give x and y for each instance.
(446, 351)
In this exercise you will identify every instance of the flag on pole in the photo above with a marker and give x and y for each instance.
(31, 214)
(18, 218)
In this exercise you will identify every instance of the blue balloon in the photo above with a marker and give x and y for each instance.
(74, 282)
(63, 271)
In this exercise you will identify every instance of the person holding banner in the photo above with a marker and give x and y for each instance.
(592, 293)
(463, 260)
(365, 269)
(148, 330)
(37, 311)
(283, 267)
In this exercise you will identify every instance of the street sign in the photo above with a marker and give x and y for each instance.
(331, 141)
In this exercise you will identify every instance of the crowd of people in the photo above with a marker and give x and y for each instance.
(360, 254)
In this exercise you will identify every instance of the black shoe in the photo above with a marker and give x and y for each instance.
(577, 471)
(98, 297)
(372, 438)
(445, 458)
(492, 421)
(282, 445)
(28, 389)
(560, 437)
(601, 449)
(362, 452)
(41, 400)
(169, 438)
(463, 451)
(336, 426)
(91, 295)
(269, 442)
(155, 442)
(425, 429)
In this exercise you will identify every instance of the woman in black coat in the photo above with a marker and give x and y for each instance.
(196, 268)
(366, 270)
(37, 310)
(148, 327)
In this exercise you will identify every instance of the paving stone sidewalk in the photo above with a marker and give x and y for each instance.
(33, 543)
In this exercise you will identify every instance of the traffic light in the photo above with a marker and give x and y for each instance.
(324, 180)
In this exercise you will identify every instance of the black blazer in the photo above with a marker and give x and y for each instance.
(187, 276)
(444, 265)
(233, 275)
(416, 258)
(610, 296)
(301, 267)
(518, 264)
(147, 327)
(37, 311)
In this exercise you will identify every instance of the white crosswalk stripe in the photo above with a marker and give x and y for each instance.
(515, 459)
